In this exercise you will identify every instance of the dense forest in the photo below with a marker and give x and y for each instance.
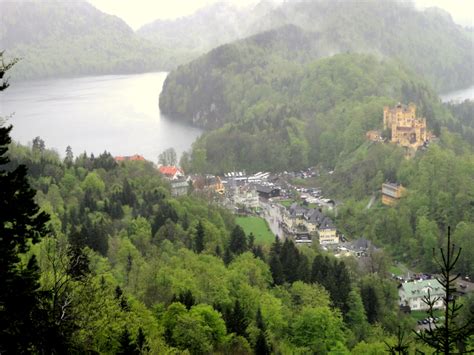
(122, 267)
(284, 115)
(55, 39)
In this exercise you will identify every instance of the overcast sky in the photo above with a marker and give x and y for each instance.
(139, 12)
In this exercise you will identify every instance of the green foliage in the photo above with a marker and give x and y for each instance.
(317, 329)
(257, 227)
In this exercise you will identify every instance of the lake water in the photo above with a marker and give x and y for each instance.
(459, 96)
(117, 113)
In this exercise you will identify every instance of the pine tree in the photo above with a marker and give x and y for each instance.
(238, 241)
(126, 345)
(199, 239)
(371, 303)
(261, 345)
(21, 224)
(236, 321)
(141, 342)
(227, 256)
(276, 267)
(449, 336)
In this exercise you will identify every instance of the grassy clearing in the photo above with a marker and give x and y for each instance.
(258, 226)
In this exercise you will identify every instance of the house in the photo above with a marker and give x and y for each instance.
(135, 157)
(327, 232)
(245, 196)
(391, 193)
(413, 293)
(179, 187)
(267, 192)
(171, 172)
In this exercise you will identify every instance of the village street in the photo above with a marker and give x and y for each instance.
(272, 214)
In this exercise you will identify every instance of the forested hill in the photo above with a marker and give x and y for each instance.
(188, 37)
(284, 115)
(70, 38)
(428, 43)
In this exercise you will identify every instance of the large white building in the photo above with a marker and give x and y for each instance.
(413, 293)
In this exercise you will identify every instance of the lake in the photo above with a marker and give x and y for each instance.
(117, 113)
(459, 95)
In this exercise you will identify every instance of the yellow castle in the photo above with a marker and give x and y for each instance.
(407, 130)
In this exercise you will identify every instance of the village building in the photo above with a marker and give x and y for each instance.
(179, 187)
(300, 220)
(267, 192)
(391, 193)
(135, 157)
(245, 197)
(412, 294)
(406, 129)
(327, 232)
(171, 172)
(208, 183)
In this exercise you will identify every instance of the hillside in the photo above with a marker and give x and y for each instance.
(288, 115)
(428, 43)
(71, 38)
(188, 37)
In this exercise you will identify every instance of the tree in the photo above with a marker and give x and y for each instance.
(168, 157)
(236, 321)
(126, 345)
(199, 239)
(39, 145)
(449, 335)
(68, 160)
(261, 345)
(355, 317)
(238, 240)
(21, 224)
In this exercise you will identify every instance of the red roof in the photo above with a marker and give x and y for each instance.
(169, 170)
(135, 157)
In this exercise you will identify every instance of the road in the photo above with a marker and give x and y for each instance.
(271, 213)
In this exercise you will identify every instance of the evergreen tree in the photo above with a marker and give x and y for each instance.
(258, 252)
(227, 256)
(236, 321)
(290, 259)
(126, 345)
(128, 196)
(450, 336)
(276, 267)
(355, 316)
(21, 224)
(199, 239)
(261, 345)
(251, 241)
(141, 342)
(371, 303)
(69, 159)
(238, 241)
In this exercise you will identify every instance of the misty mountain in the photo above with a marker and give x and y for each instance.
(427, 41)
(71, 38)
(187, 37)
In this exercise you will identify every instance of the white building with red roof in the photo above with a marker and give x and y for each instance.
(171, 172)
